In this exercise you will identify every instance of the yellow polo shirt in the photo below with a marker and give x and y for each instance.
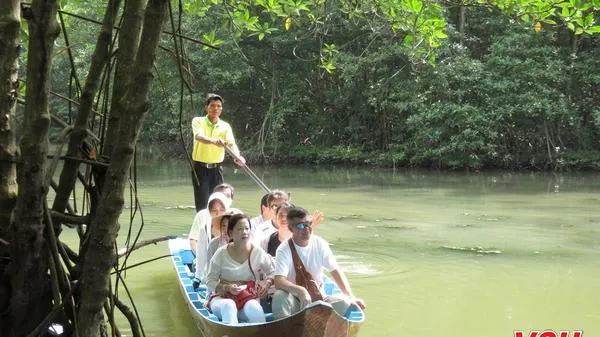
(208, 153)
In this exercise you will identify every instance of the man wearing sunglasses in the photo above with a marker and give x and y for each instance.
(315, 255)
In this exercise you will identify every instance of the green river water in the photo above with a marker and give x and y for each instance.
(432, 254)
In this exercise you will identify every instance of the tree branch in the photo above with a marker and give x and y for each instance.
(125, 250)
(70, 218)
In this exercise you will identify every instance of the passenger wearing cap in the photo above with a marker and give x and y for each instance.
(299, 264)
(218, 204)
(211, 135)
(203, 218)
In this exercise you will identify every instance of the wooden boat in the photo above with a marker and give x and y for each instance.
(317, 320)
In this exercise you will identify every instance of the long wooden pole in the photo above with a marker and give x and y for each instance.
(249, 172)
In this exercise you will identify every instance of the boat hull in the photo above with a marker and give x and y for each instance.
(317, 320)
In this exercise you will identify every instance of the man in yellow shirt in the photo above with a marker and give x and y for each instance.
(211, 135)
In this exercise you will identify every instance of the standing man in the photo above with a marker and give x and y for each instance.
(211, 135)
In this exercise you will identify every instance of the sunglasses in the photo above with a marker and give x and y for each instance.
(303, 225)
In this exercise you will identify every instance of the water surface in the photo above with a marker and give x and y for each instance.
(432, 254)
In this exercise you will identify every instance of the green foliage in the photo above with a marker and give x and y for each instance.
(586, 160)
(211, 39)
(451, 125)
(306, 81)
(577, 15)
(423, 21)
(526, 85)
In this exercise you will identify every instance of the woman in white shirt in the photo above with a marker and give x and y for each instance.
(239, 274)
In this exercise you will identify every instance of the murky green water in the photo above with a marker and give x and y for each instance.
(433, 254)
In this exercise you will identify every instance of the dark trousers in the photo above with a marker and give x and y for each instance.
(207, 180)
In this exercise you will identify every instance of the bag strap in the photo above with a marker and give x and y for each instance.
(303, 277)
(249, 264)
(298, 264)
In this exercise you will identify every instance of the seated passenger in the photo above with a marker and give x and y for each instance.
(266, 228)
(218, 204)
(272, 242)
(299, 265)
(254, 222)
(220, 240)
(239, 274)
(203, 217)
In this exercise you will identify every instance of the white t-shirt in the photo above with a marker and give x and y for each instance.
(224, 267)
(316, 256)
(263, 230)
(213, 246)
(202, 221)
(266, 227)
(201, 232)
(256, 220)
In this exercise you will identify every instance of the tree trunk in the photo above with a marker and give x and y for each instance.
(100, 253)
(99, 60)
(462, 18)
(571, 93)
(10, 27)
(31, 298)
(129, 40)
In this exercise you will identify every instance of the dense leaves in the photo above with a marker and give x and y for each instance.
(346, 83)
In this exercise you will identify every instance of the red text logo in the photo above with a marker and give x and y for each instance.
(549, 333)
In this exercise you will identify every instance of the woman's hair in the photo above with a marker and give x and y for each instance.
(278, 197)
(222, 187)
(235, 219)
(223, 218)
(286, 205)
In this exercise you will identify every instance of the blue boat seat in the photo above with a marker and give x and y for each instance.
(328, 287)
(202, 294)
(355, 316)
(187, 257)
(336, 291)
(354, 313)
(269, 317)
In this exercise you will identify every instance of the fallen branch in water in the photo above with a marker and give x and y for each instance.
(126, 250)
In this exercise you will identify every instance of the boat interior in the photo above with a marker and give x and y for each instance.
(183, 259)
